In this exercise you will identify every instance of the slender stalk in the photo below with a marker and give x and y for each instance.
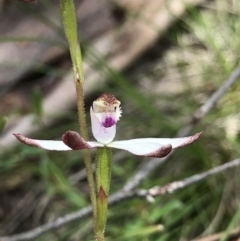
(86, 153)
(103, 176)
(70, 28)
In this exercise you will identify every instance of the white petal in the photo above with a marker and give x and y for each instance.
(101, 134)
(48, 145)
(94, 144)
(174, 142)
(157, 147)
(142, 148)
(53, 145)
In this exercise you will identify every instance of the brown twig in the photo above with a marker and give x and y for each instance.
(149, 166)
(173, 186)
(122, 195)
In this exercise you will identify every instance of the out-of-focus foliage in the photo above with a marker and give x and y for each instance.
(3, 122)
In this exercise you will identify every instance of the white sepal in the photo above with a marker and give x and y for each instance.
(48, 145)
(156, 147)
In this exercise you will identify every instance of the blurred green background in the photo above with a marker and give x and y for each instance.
(162, 60)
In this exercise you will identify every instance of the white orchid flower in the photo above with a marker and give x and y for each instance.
(105, 113)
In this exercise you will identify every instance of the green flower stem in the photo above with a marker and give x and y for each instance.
(103, 176)
(70, 28)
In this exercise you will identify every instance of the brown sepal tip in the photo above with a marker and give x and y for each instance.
(161, 152)
(26, 140)
(74, 141)
(192, 139)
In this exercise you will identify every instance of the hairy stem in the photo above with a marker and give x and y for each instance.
(103, 176)
(70, 28)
